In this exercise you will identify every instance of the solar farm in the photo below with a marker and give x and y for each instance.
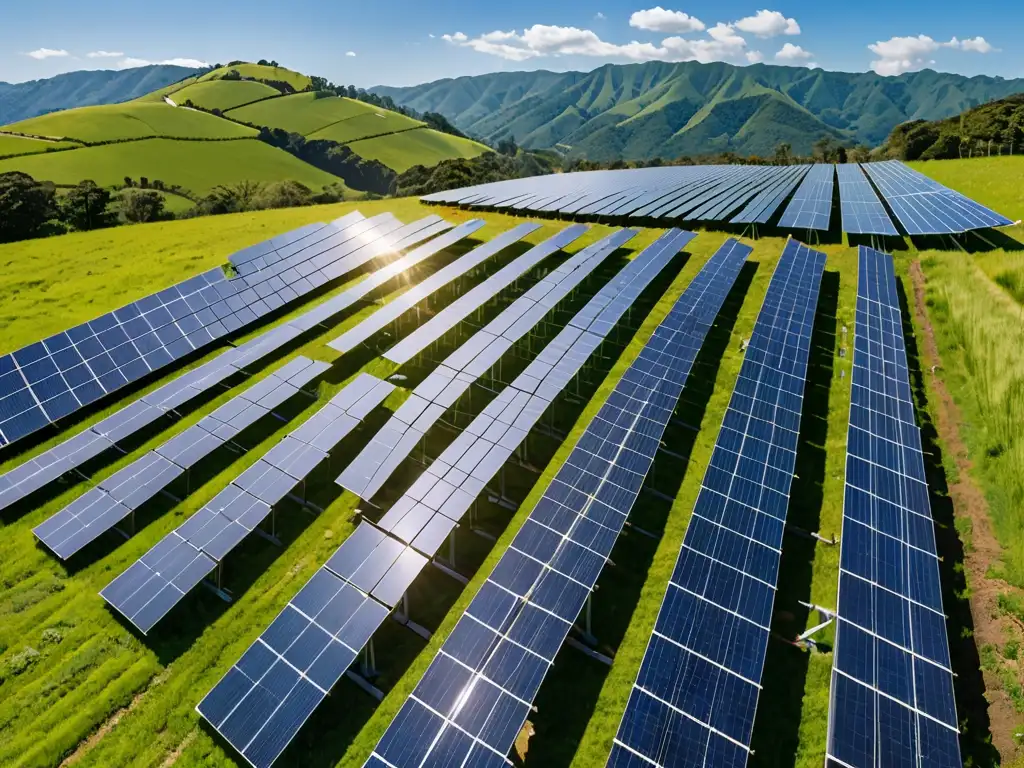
(614, 468)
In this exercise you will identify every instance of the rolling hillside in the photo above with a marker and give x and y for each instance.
(130, 121)
(214, 141)
(995, 128)
(640, 111)
(82, 89)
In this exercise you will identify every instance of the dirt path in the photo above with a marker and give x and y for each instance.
(990, 626)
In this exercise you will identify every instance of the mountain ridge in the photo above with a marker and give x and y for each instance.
(639, 111)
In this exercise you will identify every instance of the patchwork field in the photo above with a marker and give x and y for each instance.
(306, 114)
(78, 686)
(421, 147)
(134, 120)
(17, 145)
(223, 94)
(195, 165)
(296, 80)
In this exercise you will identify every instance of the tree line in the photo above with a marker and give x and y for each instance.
(996, 128)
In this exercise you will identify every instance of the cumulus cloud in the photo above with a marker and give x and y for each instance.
(47, 53)
(131, 61)
(722, 44)
(790, 52)
(658, 19)
(754, 57)
(907, 54)
(767, 23)
(350, 53)
(104, 54)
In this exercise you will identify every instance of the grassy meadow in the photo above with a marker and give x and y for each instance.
(197, 166)
(134, 120)
(19, 145)
(78, 686)
(296, 80)
(306, 114)
(223, 94)
(420, 147)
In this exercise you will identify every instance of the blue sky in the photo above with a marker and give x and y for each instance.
(402, 43)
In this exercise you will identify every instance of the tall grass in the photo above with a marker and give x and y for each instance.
(981, 333)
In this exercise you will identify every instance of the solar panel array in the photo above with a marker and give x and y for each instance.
(811, 206)
(891, 700)
(467, 303)
(261, 703)
(925, 207)
(471, 703)
(863, 213)
(161, 578)
(53, 378)
(461, 266)
(694, 698)
(43, 469)
(441, 389)
(740, 194)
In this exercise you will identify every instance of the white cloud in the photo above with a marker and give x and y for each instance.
(767, 23)
(977, 45)
(350, 53)
(658, 19)
(600, 16)
(104, 54)
(907, 54)
(47, 53)
(755, 57)
(430, 36)
(723, 44)
(131, 61)
(790, 52)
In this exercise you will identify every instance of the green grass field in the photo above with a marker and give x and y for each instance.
(373, 123)
(86, 667)
(198, 166)
(420, 147)
(223, 94)
(296, 80)
(17, 145)
(134, 120)
(167, 90)
(306, 114)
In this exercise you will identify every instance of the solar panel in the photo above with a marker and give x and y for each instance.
(925, 207)
(49, 466)
(695, 695)
(160, 579)
(891, 701)
(811, 206)
(364, 579)
(84, 520)
(471, 703)
(395, 441)
(863, 212)
(468, 302)
(395, 309)
(763, 207)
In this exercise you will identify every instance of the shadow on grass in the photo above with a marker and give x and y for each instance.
(565, 704)
(968, 684)
(777, 723)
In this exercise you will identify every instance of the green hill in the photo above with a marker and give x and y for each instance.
(422, 146)
(640, 111)
(994, 128)
(135, 120)
(17, 145)
(82, 89)
(307, 113)
(223, 94)
(296, 80)
(198, 166)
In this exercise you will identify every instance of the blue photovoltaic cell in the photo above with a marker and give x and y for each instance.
(811, 206)
(701, 672)
(925, 207)
(161, 578)
(891, 701)
(48, 380)
(49, 466)
(863, 213)
(471, 703)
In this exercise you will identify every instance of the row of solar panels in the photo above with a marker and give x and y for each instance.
(743, 195)
(519, 620)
